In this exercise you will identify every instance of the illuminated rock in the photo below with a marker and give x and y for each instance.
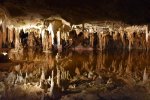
(11, 78)
(58, 77)
(43, 75)
(77, 71)
(2, 88)
(52, 84)
(145, 76)
(1, 39)
(17, 68)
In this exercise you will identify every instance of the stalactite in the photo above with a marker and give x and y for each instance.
(43, 75)
(43, 40)
(50, 29)
(11, 35)
(4, 31)
(26, 75)
(17, 42)
(58, 38)
(1, 38)
(14, 35)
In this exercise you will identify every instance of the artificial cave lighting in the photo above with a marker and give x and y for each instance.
(4, 53)
(69, 50)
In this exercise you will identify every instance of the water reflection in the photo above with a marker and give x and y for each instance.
(119, 63)
(54, 75)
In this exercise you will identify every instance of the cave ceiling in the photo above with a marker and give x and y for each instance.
(79, 11)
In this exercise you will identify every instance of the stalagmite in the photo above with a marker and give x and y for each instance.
(20, 73)
(17, 80)
(49, 78)
(90, 74)
(21, 79)
(11, 78)
(145, 76)
(26, 75)
(40, 85)
(43, 75)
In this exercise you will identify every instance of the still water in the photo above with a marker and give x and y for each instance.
(120, 63)
(33, 75)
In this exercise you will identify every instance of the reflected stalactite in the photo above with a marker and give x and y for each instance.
(145, 76)
(129, 65)
(31, 40)
(120, 71)
(114, 66)
(77, 69)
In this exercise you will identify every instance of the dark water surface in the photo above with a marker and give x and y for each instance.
(111, 75)
(118, 62)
